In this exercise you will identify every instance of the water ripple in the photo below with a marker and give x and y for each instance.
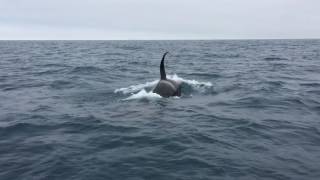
(85, 110)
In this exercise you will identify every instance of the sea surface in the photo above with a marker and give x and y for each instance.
(84, 110)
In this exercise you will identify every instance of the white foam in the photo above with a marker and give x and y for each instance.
(143, 94)
(135, 88)
(138, 91)
(190, 82)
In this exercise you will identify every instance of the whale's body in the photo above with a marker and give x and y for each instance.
(167, 87)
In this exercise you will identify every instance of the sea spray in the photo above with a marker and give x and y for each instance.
(139, 91)
(136, 88)
(143, 94)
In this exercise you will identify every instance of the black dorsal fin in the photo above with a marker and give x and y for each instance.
(162, 70)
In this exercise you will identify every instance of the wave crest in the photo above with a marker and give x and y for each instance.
(193, 83)
(143, 94)
(135, 88)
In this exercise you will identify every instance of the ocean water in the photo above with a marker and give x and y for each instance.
(85, 110)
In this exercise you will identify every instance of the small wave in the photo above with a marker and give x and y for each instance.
(213, 55)
(114, 54)
(61, 84)
(143, 94)
(310, 84)
(49, 72)
(53, 65)
(16, 86)
(210, 75)
(131, 48)
(274, 58)
(85, 70)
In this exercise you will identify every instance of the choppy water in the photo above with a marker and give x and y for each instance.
(84, 110)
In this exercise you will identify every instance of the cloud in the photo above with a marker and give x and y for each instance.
(165, 19)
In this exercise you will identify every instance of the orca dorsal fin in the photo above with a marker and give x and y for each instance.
(162, 70)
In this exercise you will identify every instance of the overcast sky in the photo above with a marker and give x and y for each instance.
(159, 19)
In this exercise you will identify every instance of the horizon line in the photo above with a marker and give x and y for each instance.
(190, 39)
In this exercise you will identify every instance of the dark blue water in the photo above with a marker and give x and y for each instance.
(84, 110)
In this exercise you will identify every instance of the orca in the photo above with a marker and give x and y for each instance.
(167, 87)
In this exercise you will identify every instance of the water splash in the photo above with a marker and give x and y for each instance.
(193, 83)
(139, 91)
(136, 88)
(143, 94)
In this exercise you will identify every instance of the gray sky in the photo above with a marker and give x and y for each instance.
(159, 19)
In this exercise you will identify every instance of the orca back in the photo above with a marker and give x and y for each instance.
(167, 87)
